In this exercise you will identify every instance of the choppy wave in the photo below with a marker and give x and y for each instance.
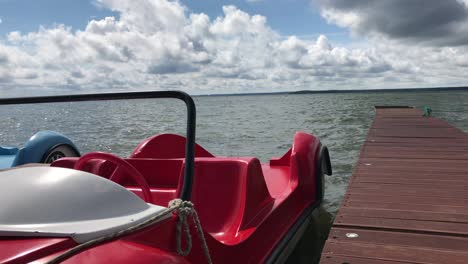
(260, 125)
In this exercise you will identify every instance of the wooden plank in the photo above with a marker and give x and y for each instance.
(399, 163)
(421, 141)
(415, 153)
(407, 200)
(406, 214)
(454, 147)
(460, 181)
(333, 259)
(395, 253)
(411, 123)
(412, 132)
(432, 194)
(391, 148)
(404, 199)
(453, 205)
(405, 186)
(403, 224)
(400, 238)
(416, 175)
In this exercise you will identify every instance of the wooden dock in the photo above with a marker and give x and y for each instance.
(407, 201)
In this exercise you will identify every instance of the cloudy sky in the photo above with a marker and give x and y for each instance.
(213, 46)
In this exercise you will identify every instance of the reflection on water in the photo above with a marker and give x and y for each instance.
(261, 126)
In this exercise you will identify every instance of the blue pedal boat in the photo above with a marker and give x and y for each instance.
(42, 147)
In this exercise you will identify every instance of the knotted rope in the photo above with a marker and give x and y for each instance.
(183, 209)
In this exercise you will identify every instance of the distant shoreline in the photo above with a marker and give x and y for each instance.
(435, 89)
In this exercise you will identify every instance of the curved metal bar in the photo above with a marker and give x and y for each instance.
(191, 118)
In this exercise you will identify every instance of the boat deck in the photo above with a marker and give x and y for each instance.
(407, 201)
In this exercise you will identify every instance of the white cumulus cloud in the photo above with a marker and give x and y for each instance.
(159, 44)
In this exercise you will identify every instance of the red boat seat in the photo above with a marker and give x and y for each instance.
(166, 146)
(157, 172)
(230, 195)
(162, 175)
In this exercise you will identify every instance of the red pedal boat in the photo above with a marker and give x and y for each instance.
(171, 201)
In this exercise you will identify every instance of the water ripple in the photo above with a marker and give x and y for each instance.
(261, 126)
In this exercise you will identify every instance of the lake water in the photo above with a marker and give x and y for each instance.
(259, 125)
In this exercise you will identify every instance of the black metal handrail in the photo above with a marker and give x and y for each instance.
(191, 118)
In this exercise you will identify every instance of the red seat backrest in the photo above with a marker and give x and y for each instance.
(228, 194)
(166, 146)
(159, 173)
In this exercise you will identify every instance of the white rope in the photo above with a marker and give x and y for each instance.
(183, 209)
